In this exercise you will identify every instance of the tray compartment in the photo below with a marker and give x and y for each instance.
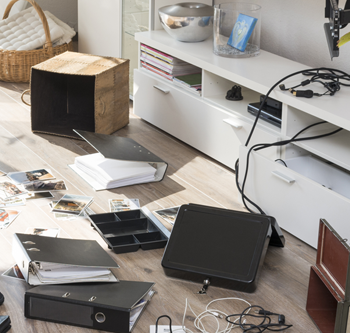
(128, 231)
(105, 217)
(151, 240)
(130, 215)
(123, 244)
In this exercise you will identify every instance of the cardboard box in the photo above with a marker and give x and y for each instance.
(328, 298)
(79, 91)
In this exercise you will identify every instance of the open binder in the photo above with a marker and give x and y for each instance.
(47, 260)
(119, 162)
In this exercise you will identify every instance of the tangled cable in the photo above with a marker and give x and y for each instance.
(217, 314)
(264, 324)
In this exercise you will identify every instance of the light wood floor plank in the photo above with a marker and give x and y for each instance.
(191, 177)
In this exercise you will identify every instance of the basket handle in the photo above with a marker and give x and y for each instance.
(48, 44)
(22, 96)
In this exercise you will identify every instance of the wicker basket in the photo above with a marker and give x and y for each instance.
(15, 65)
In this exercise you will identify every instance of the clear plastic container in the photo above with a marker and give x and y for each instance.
(225, 18)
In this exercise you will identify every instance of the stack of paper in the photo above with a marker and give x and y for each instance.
(105, 173)
(52, 272)
(163, 64)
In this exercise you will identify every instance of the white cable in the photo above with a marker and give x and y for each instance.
(211, 312)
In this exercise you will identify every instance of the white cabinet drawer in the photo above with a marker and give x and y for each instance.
(189, 118)
(296, 201)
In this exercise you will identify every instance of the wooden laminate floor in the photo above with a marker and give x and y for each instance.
(191, 177)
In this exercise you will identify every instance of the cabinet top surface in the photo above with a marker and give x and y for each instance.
(257, 73)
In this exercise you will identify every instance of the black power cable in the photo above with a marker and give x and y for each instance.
(328, 74)
(164, 316)
(260, 146)
(316, 74)
(265, 321)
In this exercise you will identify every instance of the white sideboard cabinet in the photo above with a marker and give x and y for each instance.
(314, 184)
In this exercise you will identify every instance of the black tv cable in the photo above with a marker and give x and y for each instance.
(315, 73)
(260, 146)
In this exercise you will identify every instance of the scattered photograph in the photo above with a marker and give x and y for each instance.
(64, 216)
(39, 195)
(168, 214)
(45, 186)
(7, 216)
(120, 205)
(13, 202)
(48, 232)
(72, 204)
(30, 176)
(14, 272)
(9, 190)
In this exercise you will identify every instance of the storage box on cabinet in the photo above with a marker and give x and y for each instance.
(211, 130)
(296, 201)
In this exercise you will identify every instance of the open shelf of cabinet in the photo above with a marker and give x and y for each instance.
(218, 127)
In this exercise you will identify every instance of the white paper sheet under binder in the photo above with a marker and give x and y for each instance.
(165, 329)
(110, 173)
(49, 272)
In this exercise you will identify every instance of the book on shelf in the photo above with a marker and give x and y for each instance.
(190, 80)
(194, 89)
(168, 58)
(174, 69)
(47, 260)
(156, 70)
(119, 162)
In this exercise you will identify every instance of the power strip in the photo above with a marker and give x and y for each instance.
(165, 329)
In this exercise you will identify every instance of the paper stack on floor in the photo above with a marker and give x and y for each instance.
(108, 173)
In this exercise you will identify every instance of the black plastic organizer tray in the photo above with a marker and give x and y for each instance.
(128, 231)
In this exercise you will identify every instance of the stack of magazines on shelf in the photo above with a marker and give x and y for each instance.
(190, 82)
(164, 64)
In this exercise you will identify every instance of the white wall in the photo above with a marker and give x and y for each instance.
(294, 29)
(65, 10)
(290, 28)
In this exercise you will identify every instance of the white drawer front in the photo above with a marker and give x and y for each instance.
(296, 202)
(187, 117)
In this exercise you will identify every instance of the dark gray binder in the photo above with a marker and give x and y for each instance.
(68, 253)
(113, 307)
(123, 149)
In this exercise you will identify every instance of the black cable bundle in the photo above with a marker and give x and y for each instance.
(334, 76)
(264, 324)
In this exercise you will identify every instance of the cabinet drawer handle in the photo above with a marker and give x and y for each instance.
(165, 91)
(233, 123)
(285, 178)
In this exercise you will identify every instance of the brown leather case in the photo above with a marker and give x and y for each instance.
(329, 288)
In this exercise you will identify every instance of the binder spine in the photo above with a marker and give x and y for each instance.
(21, 257)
